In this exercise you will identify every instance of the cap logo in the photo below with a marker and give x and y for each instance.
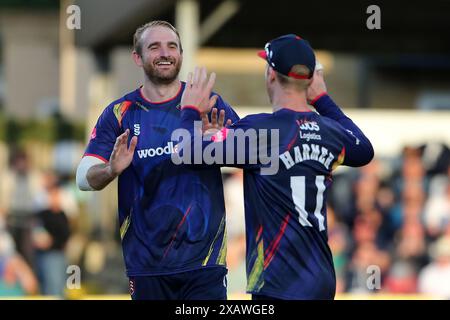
(269, 52)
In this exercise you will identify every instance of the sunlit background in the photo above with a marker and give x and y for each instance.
(393, 82)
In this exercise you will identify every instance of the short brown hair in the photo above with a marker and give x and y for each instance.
(298, 84)
(137, 43)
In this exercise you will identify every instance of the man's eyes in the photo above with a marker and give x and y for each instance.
(171, 46)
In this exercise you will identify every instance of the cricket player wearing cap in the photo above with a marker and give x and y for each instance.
(288, 256)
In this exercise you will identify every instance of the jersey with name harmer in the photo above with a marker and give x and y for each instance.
(288, 256)
(172, 217)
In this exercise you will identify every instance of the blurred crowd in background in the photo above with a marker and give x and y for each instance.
(37, 215)
(393, 214)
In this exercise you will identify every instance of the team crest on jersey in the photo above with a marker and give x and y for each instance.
(94, 133)
(137, 129)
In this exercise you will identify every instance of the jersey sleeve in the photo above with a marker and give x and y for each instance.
(238, 147)
(358, 149)
(229, 112)
(104, 135)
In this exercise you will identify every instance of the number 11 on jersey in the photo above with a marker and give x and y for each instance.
(298, 187)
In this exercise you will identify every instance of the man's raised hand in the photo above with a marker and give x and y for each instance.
(122, 155)
(198, 90)
(317, 86)
(210, 128)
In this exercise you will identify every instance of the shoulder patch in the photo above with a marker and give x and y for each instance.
(120, 109)
(340, 159)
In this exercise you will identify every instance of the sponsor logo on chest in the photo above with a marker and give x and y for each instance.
(159, 151)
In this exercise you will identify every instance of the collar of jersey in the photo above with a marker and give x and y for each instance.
(159, 103)
(292, 110)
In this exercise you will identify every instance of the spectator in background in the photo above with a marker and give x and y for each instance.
(411, 187)
(66, 195)
(366, 228)
(411, 244)
(16, 277)
(401, 278)
(439, 182)
(342, 197)
(365, 255)
(18, 189)
(50, 235)
(437, 210)
(413, 170)
(385, 201)
(409, 255)
(338, 240)
(366, 187)
(434, 279)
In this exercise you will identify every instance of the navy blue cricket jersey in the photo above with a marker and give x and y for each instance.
(172, 218)
(288, 256)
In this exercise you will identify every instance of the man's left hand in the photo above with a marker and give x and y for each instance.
(211, 128)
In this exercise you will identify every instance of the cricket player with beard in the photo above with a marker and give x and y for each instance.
(172, 218)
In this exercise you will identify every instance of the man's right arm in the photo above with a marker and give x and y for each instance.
(93, 174)
(99, 175)
(89, 164)
(107, 153)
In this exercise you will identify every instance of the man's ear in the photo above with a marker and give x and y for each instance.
(137, 58)
(271, 76)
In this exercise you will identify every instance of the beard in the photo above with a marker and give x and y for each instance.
(162, 76)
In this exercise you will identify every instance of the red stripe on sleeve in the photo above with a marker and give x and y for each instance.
(96, 156)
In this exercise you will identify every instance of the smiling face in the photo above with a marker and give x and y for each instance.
(160, 55)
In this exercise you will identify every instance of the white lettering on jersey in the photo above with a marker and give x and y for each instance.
(308, 152)
(151, 152)
(137, 129)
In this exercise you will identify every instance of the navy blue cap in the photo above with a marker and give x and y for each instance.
(287, 51)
